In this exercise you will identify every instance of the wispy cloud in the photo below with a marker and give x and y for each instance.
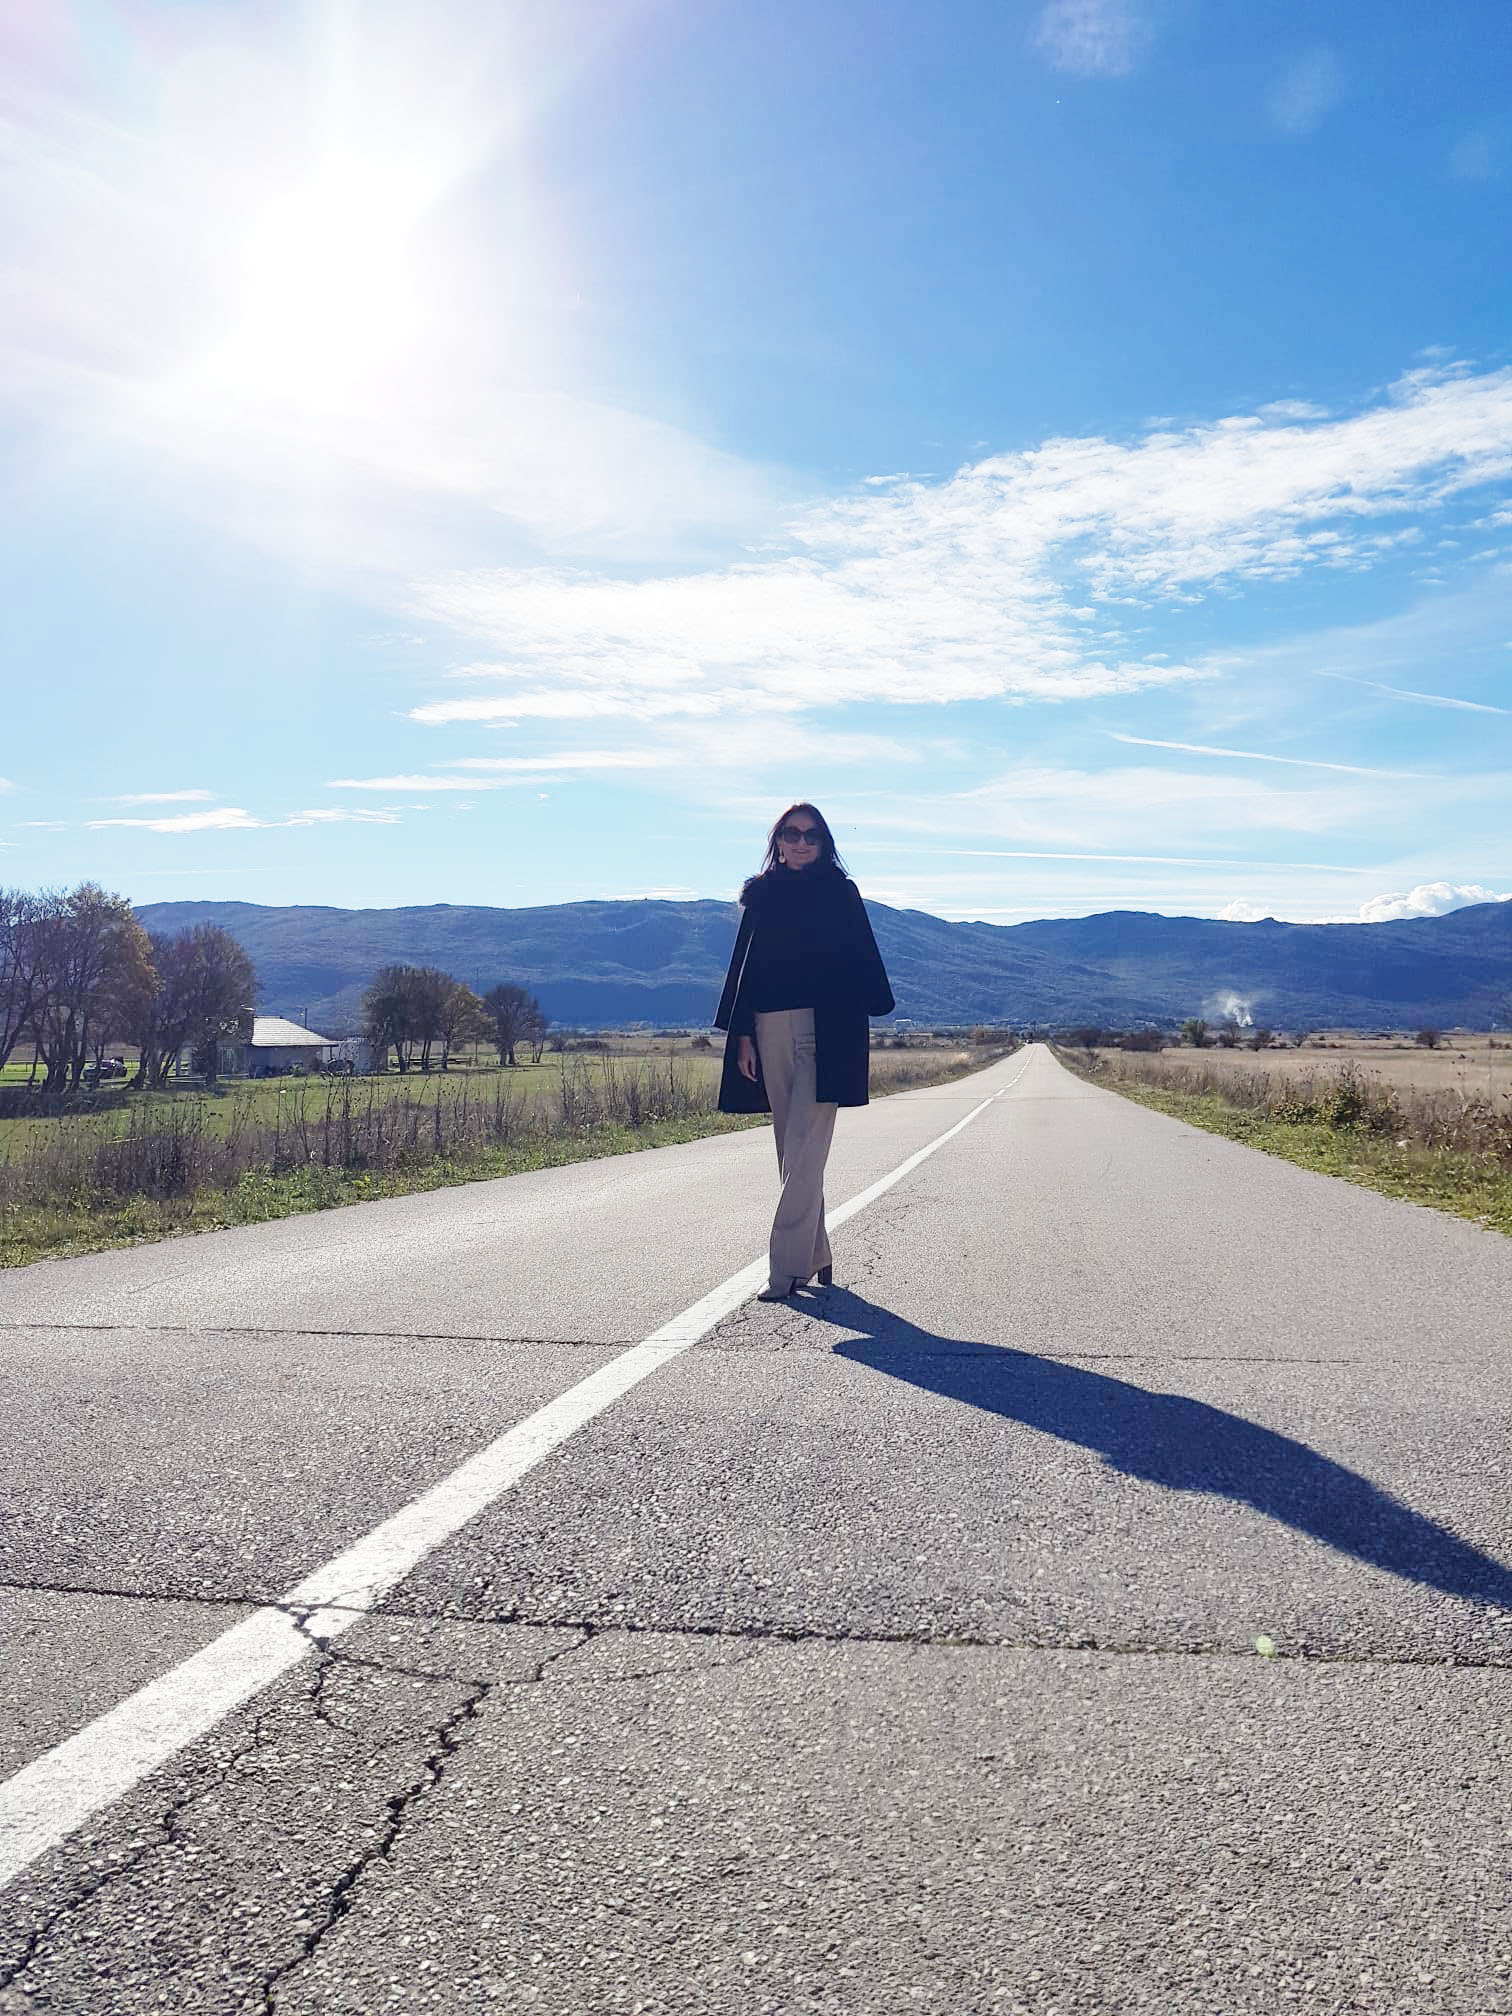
(1307, 93)
(1260, 756)
(1011, 579)
(163, 798)
(1424, 699)
(335, 815)
(413, 784)
(1092, 38)
(235, 819)
(6, 784)
(222, 819)
(1215, 861)
(566, 759)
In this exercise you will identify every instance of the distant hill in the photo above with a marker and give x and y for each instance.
(601, 965)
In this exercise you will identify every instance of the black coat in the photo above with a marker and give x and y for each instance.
(850, 985)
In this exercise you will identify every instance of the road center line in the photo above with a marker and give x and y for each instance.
(42, 1804)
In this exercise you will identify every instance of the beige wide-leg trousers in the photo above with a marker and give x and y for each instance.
(804, 1129)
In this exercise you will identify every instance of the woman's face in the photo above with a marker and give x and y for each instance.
(799, 841)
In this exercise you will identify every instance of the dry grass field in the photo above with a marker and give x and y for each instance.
(1474, 1065)
(1433, 1126)
(149, 1165)
(239, 1103)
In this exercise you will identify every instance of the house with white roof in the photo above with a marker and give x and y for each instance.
(275, 1047)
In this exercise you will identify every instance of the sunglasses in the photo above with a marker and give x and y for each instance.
(800, 836)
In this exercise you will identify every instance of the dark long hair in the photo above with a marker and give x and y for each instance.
(828, 855)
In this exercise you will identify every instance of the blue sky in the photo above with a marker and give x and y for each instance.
(497, 454)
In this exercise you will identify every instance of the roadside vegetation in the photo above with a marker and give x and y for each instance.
(164, 1163)
(1392, 1120)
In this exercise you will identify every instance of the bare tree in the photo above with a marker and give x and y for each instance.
(535, 1033)
(91, 963)
(462, 1019)
(428, 988)
(387, 1015)
(16, 952)
(206, 989)
(513, 1012)
(1195, 1030)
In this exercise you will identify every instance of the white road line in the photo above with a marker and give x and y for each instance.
(46, 1800)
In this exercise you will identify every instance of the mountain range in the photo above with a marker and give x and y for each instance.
(608, 964)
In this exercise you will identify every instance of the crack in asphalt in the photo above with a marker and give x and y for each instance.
(367, 1335)
(445, 1739)
(167, 1825)
(858, 1268)
(448, 1737)
(517, 1617)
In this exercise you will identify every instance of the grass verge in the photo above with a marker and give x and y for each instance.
(1473, 1186)
(54, 1232)
(64, 1227)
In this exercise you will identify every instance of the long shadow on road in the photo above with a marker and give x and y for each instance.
(1165, 1438)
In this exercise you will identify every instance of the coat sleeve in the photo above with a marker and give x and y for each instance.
(871, 974)
(736, 1019)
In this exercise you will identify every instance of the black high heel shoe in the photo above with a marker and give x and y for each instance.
(826, 1277)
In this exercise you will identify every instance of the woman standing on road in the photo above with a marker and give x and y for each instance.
(804, 976)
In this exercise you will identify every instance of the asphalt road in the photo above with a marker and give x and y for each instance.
(891, 1651)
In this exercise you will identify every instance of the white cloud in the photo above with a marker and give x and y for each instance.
(1099, 809)
(224, 818)
(1241, 912)
(6, 784)
(234, 819)
(566, 759)
(1259, 756)
(769, 740)
(331, 815)
(412, 784)
(1092, 38)
(1307, 93)
(163, 798)
(1425, 699)
(1429, 899)
(1009, 580)
(1219, 861)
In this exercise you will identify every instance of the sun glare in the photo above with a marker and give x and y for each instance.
(331, 299)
